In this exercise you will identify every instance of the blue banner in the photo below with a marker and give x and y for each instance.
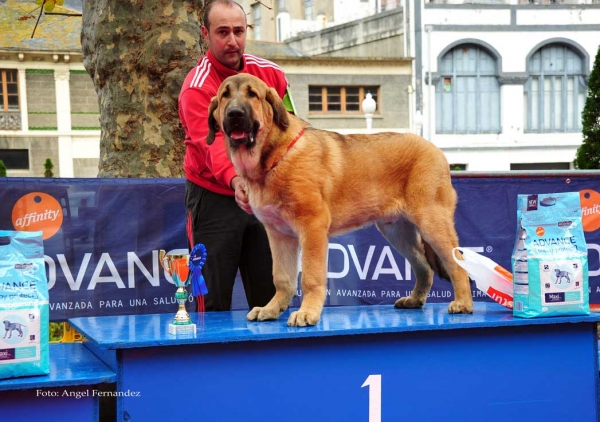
(102, 238)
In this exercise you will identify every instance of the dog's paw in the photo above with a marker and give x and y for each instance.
(409, 302)
(262, 314)
(303, 318)
(460, 307)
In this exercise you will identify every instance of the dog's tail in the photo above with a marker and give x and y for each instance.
(435, 262)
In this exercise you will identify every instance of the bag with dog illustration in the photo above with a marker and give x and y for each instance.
(550, 259)
(24, 309)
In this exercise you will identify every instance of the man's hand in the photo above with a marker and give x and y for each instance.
(238, 185)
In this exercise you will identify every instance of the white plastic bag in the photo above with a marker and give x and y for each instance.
(489, 277)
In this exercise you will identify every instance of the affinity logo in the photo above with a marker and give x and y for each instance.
(590, 209)
(38, 211)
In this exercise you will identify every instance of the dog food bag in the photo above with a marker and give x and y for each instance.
(24, 309)
(550, 259)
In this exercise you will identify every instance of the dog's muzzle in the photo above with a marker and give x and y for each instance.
(239, 126)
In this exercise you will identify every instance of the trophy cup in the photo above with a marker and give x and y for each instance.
(177, 266)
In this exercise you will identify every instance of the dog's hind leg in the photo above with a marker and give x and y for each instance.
(405, 238)
(284, 250)
(436, 225)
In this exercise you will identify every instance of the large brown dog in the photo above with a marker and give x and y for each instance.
(305, 184)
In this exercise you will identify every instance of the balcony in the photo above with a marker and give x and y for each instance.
(10, 120)
(520, 2)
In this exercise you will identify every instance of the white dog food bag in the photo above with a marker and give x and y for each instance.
(550, 259)
(24, 309)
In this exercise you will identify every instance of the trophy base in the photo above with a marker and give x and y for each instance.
(187, 329)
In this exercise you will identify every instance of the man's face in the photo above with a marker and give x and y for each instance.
(226, 37)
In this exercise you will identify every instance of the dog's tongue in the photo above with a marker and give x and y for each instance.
(238, 134)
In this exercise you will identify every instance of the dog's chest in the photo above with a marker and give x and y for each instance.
(244, 161)
(271, 215)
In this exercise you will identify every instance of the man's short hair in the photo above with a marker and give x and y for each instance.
(209, 6)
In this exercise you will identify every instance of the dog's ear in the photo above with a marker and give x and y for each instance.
(213, 125)
(280, 114)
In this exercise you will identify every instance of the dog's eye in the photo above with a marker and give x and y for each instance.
(252, 94)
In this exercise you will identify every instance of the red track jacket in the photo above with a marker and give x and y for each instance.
(209, 166)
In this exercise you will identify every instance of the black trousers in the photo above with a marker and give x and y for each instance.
(234, 240)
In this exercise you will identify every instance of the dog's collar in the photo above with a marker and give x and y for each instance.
(295, 140)
(288, 148)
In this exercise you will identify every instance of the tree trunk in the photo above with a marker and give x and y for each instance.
(138, 53)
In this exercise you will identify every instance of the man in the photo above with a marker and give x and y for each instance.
(217, 206)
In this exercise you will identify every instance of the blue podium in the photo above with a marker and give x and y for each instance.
(366, 363)
(70, 392)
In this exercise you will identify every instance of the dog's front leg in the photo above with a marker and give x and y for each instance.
(314, 277)
(284, 250)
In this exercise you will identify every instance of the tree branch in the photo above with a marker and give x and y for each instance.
(38, 19)
(63, 14)
(270, 8)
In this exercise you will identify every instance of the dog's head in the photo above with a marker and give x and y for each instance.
(556, 271)
(6, 323)
(244, 108)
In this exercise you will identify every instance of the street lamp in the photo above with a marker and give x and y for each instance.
(369, 105)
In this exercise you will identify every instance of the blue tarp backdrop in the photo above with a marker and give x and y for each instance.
(101, 248)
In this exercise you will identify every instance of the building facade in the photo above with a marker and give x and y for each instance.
(48, 105)
(50, 108)
(502, 86)
(498, 84)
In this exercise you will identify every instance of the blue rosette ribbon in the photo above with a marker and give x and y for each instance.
(196, 262)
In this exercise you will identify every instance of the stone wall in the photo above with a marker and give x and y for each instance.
(393, 109)
(85, 167)
(41, 99)
(380, 35)
(84, 102)
(40, 148)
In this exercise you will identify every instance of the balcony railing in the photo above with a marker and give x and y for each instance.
(522, 2)
(10, 120)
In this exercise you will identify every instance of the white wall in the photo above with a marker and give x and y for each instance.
(512, 145)
(71, 144)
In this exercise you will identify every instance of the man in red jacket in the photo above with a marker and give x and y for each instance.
(217, 206)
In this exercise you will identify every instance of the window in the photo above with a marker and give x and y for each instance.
(15, 159)
(280, 5)
(540, 166)
(555, 91)
(9, 90)
(468, 92)
(256, 15)
(309, 10)
(340, 99)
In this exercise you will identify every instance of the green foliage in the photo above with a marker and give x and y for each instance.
(49, 4)
(48, 166)
(588, 154)
(39, 71)
(2, 169)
